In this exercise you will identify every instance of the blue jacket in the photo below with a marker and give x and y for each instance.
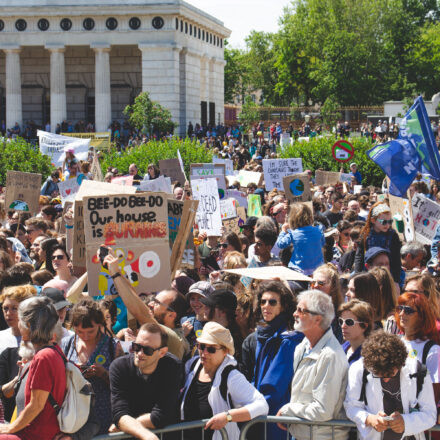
(307, 247)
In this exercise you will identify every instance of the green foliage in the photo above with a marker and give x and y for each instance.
(149, 116)
(153, 151)
(249, 113)
(317, 154)
(19, 155)
(329, 112)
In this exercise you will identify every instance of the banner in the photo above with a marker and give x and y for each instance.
(297, 187)
(22, 191)
(136, 227)
(414, 150)
(426, 217)
(55, 146)
(275, 169)
(161, 184)
(99, 141)
(254, 206)
(171, 168)
(208, 216)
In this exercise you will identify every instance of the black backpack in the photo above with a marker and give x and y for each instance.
(419, 374)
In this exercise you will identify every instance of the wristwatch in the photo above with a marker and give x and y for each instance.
(228, 416)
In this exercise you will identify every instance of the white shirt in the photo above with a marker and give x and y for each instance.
(8, 340)
(415, 351)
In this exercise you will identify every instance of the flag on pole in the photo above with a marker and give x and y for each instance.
(414, 151)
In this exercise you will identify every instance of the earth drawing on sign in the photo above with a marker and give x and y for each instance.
(297, 187)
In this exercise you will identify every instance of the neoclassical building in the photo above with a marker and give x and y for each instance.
(87, 59)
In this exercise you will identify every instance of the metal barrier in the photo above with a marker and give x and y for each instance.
(182, 427)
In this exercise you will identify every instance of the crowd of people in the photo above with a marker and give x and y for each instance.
(360, 340)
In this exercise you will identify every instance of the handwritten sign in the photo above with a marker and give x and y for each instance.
(235, 224)
(254, 205)
(210, 170)
(208, 216)
(326, 177)
(228, 163)
(161, 184)
(426, 217)
(22, 191)
(123, 180)
(171, 168)
(297, 187)
(228, 209)
(136, 227)
(275, 169)
(401, 208)
(68, 190)
(239, 196)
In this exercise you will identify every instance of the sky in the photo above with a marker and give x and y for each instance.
(243, 16)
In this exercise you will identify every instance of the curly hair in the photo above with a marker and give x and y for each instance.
(87, 313)
(383, 353)
(288, 301)
(18, 293)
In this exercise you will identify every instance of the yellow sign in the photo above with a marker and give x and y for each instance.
(100, 141)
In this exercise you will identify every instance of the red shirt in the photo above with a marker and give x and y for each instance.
(47, 372)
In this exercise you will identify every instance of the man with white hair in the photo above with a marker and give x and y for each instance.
(320, 370)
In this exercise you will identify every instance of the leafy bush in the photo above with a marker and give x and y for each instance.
(317, 153)
(19, 155)
(153, 151)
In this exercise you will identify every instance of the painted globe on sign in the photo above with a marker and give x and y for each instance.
(297, 187)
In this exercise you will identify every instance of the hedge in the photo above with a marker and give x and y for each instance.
(317, 153)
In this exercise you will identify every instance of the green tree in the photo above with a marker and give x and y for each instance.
(249, 113)
(329, 112)
(149, 116)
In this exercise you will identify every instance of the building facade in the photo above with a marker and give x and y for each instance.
(85, 60)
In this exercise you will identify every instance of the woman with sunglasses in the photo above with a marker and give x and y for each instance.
(268, 352)
(93, 350)
(206, 376)
(343, 240)
(378, 232)
(230, 242)
(356, 322)
(58, 263)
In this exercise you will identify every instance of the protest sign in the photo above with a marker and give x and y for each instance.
(239, 196)
(234, 224)
(254, 206)
(209, 170)
(228, 209)
(90, 188)
(171, 168)
(228, 163)
(55, 146)
(161, 184)
(68, 190)
(269, 273)
(136, 227)
(96, 169)
(22, 191)
(326, 177)
(345, 177)
(275, 169)
(402, 214)
(297, 187)
(245, 177)
(123, 180)
(426, 217)
(99, 141)
(208, 216)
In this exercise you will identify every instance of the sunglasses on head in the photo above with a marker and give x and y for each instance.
(406, 309)
(382, 221)
(57, 257)
(147, 350)
(209, 348)
(272, 302)
(349, 322)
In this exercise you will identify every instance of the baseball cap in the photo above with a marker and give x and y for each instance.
(250, 222)
(373, 252)
(221, 298)
(202, 288)
(215, 334)
(57, 297)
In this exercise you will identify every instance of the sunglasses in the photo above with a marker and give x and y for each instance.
(406, 309)
(382, 221)
(319, 283)
(57, 257)
(209, 348)
(302, 311)
(148, 351)
(223, 245)
(349, 322)
(272, 302)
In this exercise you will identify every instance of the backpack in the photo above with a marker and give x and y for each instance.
(74, 411)
(419, 375)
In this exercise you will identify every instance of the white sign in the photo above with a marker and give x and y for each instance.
(208, 217)
(228, 209)
(345, 177)
(239, 196)
(228, 163)
(275, 169)
(426, 217)
(161, 184)
(55, 146)
(68, 190)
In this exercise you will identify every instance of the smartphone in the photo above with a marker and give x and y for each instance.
(387, 418)
(103, 252)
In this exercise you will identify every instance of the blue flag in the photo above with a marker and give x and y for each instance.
(414, 151)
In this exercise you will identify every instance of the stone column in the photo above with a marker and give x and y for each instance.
(103, 101)
(13, 87)
(58, 107)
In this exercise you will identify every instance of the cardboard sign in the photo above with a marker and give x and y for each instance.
(136, 227)
(210, 170)
(96, 169)
(326, 177)
(68, 190)
(90, 188)
(401, 207)
(235, 224)
(254, 206)
(239, 196)
(161, 184)
(228, 209)
(297, 187)
(22, 191)
(228, 163)
(208, 216)
(123, 180)
(171, 168)
(275, 169)
(426, 217)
